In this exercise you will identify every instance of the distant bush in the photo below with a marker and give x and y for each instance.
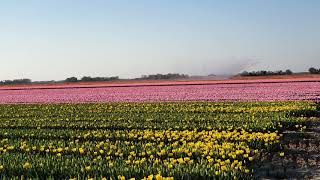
(313, 70)
(164, 76)
(266, 73)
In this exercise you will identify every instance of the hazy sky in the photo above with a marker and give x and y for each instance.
(54, 39)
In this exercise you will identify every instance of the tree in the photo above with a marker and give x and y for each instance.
(86, 79)
(313, 70)
(71, 79)
(244, 73)
(288, 72)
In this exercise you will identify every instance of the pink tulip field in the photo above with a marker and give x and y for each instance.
(253, 91)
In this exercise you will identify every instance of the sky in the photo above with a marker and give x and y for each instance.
(52, 40)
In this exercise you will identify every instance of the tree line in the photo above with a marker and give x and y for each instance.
(266, 73)
(164, 76)
(311, 70)
(91, 79)
(16, 81)
(70, 79)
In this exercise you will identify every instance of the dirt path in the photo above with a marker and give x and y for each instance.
(302, 156)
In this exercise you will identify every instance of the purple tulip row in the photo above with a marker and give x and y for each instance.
(277, 91)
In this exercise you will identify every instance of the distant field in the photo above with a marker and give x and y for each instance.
(228, 90)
